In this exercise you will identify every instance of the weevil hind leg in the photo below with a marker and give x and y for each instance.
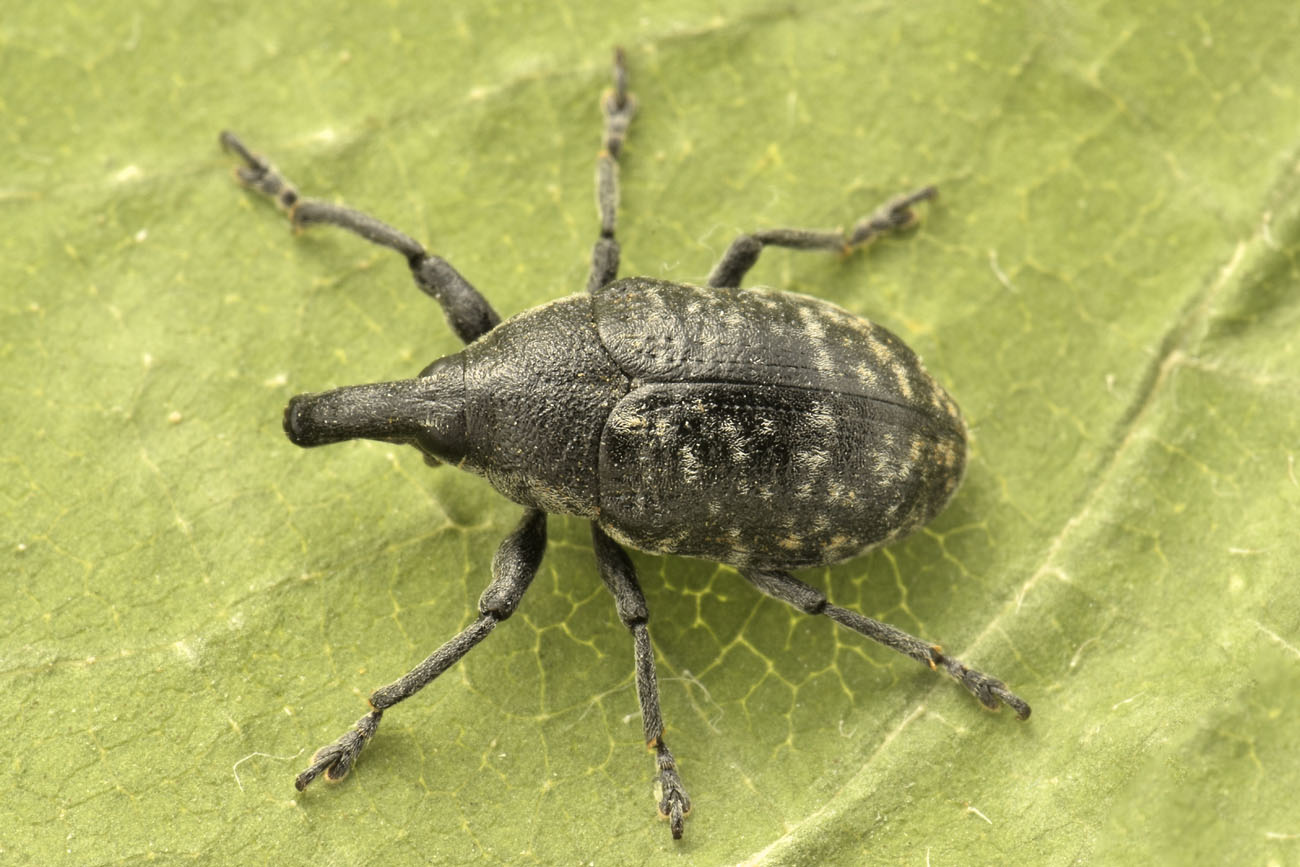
(619, 575)
(990, 691)
(513, 569)
(467, 311)
(744, 251)
(618, 106)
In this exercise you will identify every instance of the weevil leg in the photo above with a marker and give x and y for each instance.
(617, 572)
(743, 252)
(989, 690)
(513, 569)
(468, 312)
(618, 106)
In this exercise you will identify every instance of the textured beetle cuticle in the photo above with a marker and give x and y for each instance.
(761, 429)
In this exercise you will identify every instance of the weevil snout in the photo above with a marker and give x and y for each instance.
(355, 412)
(427, 412)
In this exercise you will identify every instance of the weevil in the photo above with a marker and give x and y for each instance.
(761, 429)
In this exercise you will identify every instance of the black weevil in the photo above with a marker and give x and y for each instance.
(761, 429)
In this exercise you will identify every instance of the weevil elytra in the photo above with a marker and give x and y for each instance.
(761, 429)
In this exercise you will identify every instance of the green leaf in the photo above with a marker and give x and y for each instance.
(1109, 285)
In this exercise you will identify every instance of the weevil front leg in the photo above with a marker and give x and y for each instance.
(744, 251)
(619, 575)
(989, 690)
(513, 569)
(467, 311)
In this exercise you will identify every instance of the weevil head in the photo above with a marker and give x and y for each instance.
(427, 412)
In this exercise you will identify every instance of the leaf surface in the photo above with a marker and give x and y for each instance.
(1109, 285)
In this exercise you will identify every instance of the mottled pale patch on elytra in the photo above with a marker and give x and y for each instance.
(821, 419)
(849, 320)
(815, 334)
(867, 376)
(689, 462)
(812, 460)
(903, 378)
(735, 441)
(884, 356)
(778, 444)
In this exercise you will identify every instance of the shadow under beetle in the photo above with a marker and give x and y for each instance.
(761, 429)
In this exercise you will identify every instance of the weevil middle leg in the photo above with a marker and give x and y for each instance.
(619, 575)
(618, 106)
(743, 252)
